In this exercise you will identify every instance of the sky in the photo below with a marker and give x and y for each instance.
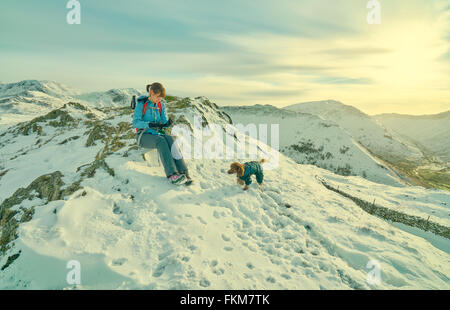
(239, 52)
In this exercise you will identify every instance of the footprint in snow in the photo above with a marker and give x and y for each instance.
(191, 274)
(119, 261)
(116, 209)
(216, 215)
(218, 271)
(164, 255)
(204, 283)
(315, 252)
(271, 279)
(201, 220)
(159, 270)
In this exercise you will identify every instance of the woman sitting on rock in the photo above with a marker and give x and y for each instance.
(149, 119)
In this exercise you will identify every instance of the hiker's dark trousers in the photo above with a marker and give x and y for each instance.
(169, 153)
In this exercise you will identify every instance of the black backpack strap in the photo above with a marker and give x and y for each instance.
(133, 102)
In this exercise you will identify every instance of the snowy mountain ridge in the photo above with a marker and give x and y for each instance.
(25, 87)
(110, 98)
(418, 150)
(431, 132)
(361, 126)
(24, 100)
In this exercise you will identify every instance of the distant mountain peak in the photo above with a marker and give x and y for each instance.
(440, 115)
(326, 106)
(23, 88)
(328, 101)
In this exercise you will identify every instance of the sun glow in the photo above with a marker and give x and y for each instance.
(415, 47)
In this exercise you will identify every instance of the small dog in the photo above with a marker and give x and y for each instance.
(246, 170)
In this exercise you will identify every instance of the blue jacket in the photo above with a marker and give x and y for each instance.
(152, 115)
(252, 167)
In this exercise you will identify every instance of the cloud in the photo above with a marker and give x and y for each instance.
(341, 80)
(352, 52)
(445, 57)
(274, 93)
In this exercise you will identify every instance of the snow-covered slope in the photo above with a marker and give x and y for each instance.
(75, 187)
(364, 129)
(431, 132)
(309, 139)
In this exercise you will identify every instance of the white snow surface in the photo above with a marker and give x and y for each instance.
(133, 230)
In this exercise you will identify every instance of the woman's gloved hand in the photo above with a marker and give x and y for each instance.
(160, 126)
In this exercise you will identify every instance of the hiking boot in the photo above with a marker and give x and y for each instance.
(186, 174)
(176, 178)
